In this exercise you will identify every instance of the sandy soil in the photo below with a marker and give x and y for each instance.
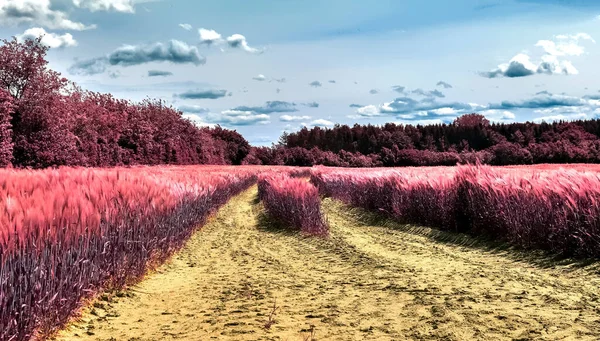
(372, 280)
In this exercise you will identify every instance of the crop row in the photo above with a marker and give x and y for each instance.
(68, 234)
(293, 202)
(545, 208)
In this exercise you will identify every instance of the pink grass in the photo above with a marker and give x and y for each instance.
(292, 201)
(546, 207)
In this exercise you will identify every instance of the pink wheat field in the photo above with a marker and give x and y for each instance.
(68, 234)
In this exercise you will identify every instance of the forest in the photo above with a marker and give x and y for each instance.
(46, 120)
(470, 138)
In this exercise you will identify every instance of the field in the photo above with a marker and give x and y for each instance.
(197, 252)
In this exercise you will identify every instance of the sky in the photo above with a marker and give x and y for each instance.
(263, 67)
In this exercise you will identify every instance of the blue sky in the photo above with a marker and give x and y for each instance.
(264, 67)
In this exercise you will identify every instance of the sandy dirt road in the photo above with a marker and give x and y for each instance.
(372, 280)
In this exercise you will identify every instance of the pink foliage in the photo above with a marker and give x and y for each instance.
(292, 201)
(544, 207)
(56, 123)
(6, 144)
(69, 233)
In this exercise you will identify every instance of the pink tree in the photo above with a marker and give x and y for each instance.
(471, 120)
(6, 144)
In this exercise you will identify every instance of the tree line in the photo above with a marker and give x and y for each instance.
(470, 138)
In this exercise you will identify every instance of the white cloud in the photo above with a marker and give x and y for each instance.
(238, 118)
(186, 27)
(193, 109)
(560, 49)
(445, 111)
(174, 51)
(500, 116)
(36, 12)
(198, 121)
(260, 78)
(234, 41)
(290, 118)
(209, 36)
(52, 40)
(367, 111)
(560, 117)
(549, 63)
(321, 123)
(422, 122)
(239, 41)
(125, 6)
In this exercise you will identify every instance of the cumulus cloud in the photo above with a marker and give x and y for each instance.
(354, 105)
(238, 41)
(238, 118)
(565, 45)
(175, 51)
(549, 106)
(196, 109)
(159, 73)
(202, 94)
(541, 100)
(234, 41)
(312, 104)
(125, 6)
(321, 123)
(186, 27)
(37, 12)
(409, 109)
(521, 66)
(315, 84)
(373, 91)
(405, 105)
(260, 78)
(52, 40)
(270, 107)
(289, 118)
(366, 111)
(550, 63)
(569, 113)
(444, 85)
(209, 37)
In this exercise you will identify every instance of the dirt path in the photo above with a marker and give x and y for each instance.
(367, 282)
